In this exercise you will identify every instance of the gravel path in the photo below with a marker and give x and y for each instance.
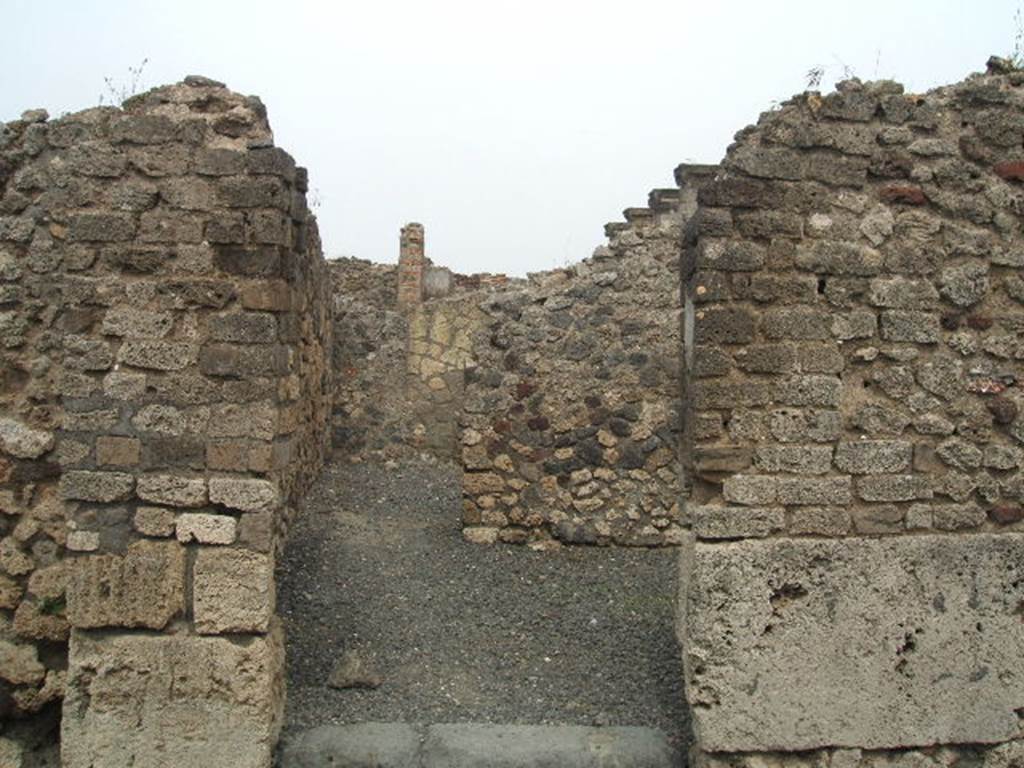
(460, 633)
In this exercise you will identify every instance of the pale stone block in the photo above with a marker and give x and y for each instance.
(180, 700)
(22, 441)
(795, 644)
(480, 535)
(172, 490)
(206, 529)
(245, 494)
(232, 591)
(83, 541)
(145, 587)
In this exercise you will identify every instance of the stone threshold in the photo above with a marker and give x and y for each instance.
(476, 745)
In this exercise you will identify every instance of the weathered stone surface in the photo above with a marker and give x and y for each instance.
(154, 521)
(205, 529)
(23, 442)
(799, 644)
(360, 745)
(233, 591)
(245, 494)
(471, 745)
(158, 355)
(19, 664)
(716, 522)
(354, 670)
(96, 486)
(874, 456)
(172, 700)
(172, 490)
(478, 745)
(143, 588)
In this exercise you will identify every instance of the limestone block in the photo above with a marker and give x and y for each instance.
(168, 701)
(245, 494)
(794, 644)
(232, 591)
(205, 528)
(143, 588)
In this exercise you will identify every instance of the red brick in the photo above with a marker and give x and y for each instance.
(906, 195)
(1013, 171)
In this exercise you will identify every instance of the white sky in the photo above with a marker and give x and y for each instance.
(512, 130)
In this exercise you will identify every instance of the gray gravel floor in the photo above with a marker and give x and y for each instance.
(462, 633)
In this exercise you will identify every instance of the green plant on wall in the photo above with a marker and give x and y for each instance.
(53, 606)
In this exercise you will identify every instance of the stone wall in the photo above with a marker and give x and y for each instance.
(570, 414)
(853, 581)
(401, 342)
(165, 398)
(371, 411)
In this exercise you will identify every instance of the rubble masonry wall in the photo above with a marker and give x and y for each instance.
(852, 586)
(166, 340)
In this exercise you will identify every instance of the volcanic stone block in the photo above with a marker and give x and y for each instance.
(794, 459)
(724, 325)
(96, 486)
(257, 420)
(874, 456)
(902, 293)
(800, 323)
(717, 522)
(158, 355)
(233, 591)
(871, 643)
(137, 323)
(172, 700)
(243, 361)
(836, 257)
(894, 487)
(904, 325)
(143, 588)
(730, 256)
(244, 327)
(102, 227)
(172, 490)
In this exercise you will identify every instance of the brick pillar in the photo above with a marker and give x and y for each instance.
(411, 261)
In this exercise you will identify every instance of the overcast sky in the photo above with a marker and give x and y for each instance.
(512, 130)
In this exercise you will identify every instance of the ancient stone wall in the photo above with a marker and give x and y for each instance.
(854, 330)
(166, 331)
(401, 342)
(570, 414)
(371, 411)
